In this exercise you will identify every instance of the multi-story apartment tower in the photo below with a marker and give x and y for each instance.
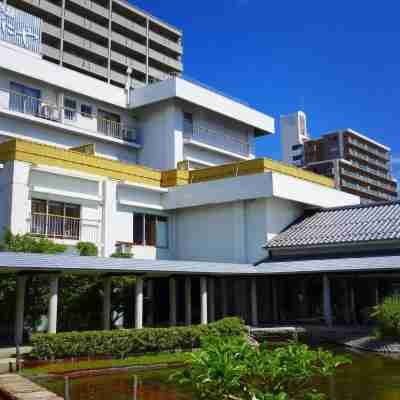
(103, 38)
(358, 164)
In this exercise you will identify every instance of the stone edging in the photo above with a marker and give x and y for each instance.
(369, 343)
(15, 387)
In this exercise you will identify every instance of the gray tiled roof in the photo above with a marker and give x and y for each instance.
(353, 224)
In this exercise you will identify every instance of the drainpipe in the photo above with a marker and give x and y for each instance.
(128, 85)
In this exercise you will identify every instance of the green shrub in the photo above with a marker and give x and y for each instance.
(120, 254)
(124, 342)
(230, 368)
(387, 314)
(29, 244)
(87, 249)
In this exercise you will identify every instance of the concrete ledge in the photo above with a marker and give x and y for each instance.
(16, 387)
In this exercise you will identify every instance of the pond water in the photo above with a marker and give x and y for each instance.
(370, 377)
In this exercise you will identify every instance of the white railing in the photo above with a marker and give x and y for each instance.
(368, 190)
(61, 227)
(39, 108)
(368, 180)
(218, 139)
(371, 160)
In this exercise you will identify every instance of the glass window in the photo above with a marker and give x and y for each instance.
(162, 232)
(70, 109)
(150, 230)
(138, 237)
(86, 110)
(24, 99)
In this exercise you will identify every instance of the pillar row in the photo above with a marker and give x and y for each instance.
(20, 308)
(327, 300)
(188, 300)
(254, 303)
(107, 303)
(172, 302)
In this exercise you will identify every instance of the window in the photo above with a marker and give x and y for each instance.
(55, 219)
(70, 109)
(24, 99)
(150, 230)
(86, 111)
(187, 122)
(297, 147)
(298, 157)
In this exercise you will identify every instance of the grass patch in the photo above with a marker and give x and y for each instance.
(144, 360)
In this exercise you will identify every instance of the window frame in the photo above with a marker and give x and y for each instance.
(72, 111)
(145, 217)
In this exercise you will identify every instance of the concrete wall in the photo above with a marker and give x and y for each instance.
(161, 135)
(232, 232)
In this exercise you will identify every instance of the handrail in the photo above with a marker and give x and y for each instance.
(40, 108)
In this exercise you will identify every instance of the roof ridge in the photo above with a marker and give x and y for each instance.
(356, 206)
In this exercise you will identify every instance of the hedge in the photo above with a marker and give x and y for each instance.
(125, 342)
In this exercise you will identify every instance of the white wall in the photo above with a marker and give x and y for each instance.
(232, 232)
(161, 135)
(206, 156)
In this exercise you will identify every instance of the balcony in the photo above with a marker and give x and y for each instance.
(66, 117)
(371, 160)
(371, 181)
(226, 143)
(369, 149)
(61, 227)
(368, 190)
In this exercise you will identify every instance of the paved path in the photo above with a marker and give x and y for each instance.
(18, 388)
(7, 356)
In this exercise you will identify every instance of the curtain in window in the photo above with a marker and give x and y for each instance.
(162, 232)
(151, 230)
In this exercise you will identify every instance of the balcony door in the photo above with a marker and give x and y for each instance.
(24, 99)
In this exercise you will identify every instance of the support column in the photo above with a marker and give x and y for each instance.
(327, 300)
(172, 302)
(107, 303)
(150, 295)
(188, 301)
(376, 293)
(53, 304)
(139, 303)
(353, 303)
(224, 294)
(211, 302)
(254, 305)
(20, 308)
(203, 300)
(275, 308)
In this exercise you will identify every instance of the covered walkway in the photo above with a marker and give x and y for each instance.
(310, 291)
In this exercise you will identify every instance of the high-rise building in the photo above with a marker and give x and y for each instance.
(358, 164)
(103, 38)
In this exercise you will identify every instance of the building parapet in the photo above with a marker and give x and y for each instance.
(41, 154)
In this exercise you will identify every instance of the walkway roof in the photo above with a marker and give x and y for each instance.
(67, 263)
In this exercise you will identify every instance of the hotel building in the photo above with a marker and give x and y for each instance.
(164, 170)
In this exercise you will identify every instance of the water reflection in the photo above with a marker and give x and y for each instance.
(370, 377)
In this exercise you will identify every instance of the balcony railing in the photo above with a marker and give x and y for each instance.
(55, 226)
(366, 179)
(39, 108)
(371, 160)
(218, 139)
(61, 227)
(367, 190)
(368, 148)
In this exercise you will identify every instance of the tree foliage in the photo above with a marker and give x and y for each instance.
(232, 369)
(87, 249)
(387, 314)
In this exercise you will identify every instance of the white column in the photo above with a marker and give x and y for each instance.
(188, 300)
(224, 295)
(53, 304)
(327, 300)
(150, 295)
(108, 211)
(211, 301)
(203, 299)
(107, 303)
(172, 302)
(139, 303)
(254, 305)
(20, 308)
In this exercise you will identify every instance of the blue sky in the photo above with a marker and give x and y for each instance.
(338, 61)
